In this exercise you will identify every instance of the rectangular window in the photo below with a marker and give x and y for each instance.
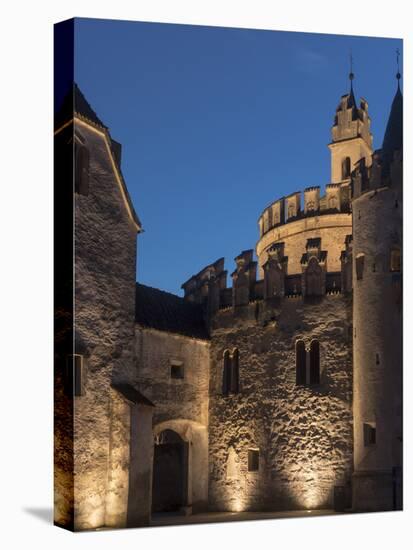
(253, 460)
(369, 431)
(177, 370)
(395, 260)
(359, 266)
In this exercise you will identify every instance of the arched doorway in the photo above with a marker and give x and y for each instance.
(170, 472)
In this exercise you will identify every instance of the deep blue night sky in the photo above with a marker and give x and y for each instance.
(217, 123)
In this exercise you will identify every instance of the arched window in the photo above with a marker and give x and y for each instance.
(226, 373)
(234, 388)
(81, 169)
(300, 363)
(314, 362)
(346, 168)
(230, 375)
(395, 262)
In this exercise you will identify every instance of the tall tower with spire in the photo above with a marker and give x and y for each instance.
(377, 322)
(351, 137)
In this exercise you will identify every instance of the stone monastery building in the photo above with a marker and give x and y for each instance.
(279, 391)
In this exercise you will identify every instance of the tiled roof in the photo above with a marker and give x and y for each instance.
(76, 102)
(170, 313)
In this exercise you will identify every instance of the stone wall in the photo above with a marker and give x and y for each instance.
(378, 345)
(331, 228)
(105, 259)
(303, 433)
(181, 404)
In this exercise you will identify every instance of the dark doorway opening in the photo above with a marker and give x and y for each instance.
(170, 473)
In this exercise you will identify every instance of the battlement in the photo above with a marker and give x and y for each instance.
(383, 172)
(209, 286)
(289, 208)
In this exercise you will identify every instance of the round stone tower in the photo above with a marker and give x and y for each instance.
(377, 322)
(328, 217)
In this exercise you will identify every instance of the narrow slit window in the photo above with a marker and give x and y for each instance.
(314, 362)
(226, 373)
(230, 374)
(234, 388)
(346, 168)
(253, 460)
(359, 266)
(369, 432)
(300, 363)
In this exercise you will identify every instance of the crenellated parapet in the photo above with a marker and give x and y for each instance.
(205, 287)
(383, 172)
(289, 209)
(313, 279)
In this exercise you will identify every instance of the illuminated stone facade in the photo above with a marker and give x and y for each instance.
(280, 392)
(303, 433)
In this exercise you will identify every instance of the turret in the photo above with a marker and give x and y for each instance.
(377, 320)
(351, 137)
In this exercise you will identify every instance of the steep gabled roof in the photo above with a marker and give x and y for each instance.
(75, 102)
(170, 313)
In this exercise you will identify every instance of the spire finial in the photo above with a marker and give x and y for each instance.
(398, 75)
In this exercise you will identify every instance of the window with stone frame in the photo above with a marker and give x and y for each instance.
(300, 363)
(177, 369)
(230, 375)
(314, 374)
(307, 363)
(359, 266)
(346, 168)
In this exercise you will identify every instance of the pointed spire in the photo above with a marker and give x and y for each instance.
(398, 75)
(351, 99)
(393, 136)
